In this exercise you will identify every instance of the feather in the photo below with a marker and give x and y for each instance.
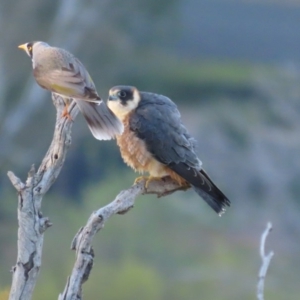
(103, 124)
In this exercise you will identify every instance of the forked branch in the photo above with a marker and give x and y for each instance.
(32, 224)
(82, 241)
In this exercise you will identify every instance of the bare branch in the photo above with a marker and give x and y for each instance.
(82, 241)
(32, 224)
(16, 181)
(266, 259)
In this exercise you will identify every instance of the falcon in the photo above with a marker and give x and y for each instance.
(155, 141)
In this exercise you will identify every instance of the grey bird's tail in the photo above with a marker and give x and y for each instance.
(102, 122)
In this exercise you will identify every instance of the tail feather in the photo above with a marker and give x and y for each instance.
(102, 122)
(203, 186)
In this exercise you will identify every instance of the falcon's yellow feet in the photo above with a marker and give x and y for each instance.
(148, 180)
(140, 178)
(184, 184)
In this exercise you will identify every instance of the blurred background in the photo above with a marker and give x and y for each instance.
(233, 68)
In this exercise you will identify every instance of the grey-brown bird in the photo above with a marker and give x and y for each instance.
(59, 71)
(155, 141)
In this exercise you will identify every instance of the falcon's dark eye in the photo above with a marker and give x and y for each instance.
(122, 94)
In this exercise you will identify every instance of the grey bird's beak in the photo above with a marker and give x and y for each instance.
(113, 98)
(23, 47)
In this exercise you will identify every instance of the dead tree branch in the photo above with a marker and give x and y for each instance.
(32, 224)
(266, 259)
(82, 241)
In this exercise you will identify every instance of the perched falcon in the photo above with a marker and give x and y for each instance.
(155, 141)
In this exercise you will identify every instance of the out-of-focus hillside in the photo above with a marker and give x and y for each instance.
(255, 30)
(233, 69)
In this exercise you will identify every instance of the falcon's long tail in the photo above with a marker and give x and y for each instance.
(102, 122)
(211, 193)
(203, 186)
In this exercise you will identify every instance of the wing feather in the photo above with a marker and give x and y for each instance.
(157, 121)
(71, 80)
(102, 122)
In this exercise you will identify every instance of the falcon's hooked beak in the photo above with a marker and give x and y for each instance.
(113, 97)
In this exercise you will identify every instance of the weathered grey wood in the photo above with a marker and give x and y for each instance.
(32, 224)
(82, 241)
(266, 259)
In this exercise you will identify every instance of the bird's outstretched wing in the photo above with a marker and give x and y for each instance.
(102, 122)
(157, 122)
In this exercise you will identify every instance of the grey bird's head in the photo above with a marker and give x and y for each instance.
(32, 47)
(123, 99)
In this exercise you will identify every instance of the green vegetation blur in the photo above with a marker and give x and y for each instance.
(233, 69)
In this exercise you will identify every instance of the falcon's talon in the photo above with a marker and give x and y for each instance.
(147, 179)
(185, 186)
(151, 178)
(141, 178)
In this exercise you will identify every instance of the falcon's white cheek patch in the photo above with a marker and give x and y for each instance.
(130, 105)
(122, 110)
(118, 109)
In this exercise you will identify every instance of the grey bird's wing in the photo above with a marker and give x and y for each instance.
(64, 74)
(102, 122)
(59, 71)
(157, 122)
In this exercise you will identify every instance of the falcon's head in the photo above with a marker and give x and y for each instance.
(123, 99)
